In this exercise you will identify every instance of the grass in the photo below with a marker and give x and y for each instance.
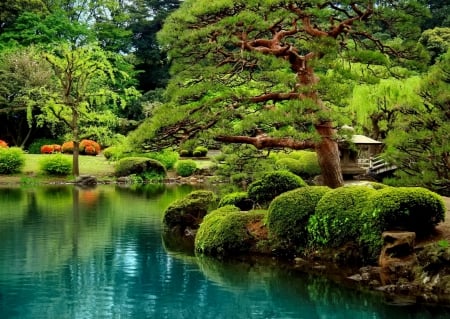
(89, 165)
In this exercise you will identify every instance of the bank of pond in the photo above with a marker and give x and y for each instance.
(370, 228)
(145, 251)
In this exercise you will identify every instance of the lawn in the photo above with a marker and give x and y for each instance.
(89, 165)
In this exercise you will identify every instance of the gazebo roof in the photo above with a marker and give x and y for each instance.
(361, 139)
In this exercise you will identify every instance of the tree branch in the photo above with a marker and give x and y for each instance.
(264, 141)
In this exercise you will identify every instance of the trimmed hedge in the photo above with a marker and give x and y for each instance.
(406, 208)
(289, 213)
(12, 160)
(272, 184)
(238, 199)
(337, 219)
(141, 166)
(56, 164)
(225, 232)
(190, 210)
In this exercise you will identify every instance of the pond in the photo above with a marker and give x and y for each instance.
(99, 253)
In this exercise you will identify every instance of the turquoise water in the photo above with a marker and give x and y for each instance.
(99, 253)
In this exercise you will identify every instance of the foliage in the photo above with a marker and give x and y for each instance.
(419, 145)
(337, 219)
(302, 163)
(167, 157)
(190, 210)
(12, 160)
(89, 147)
(113, 153)
(50, 148)
(56, 164)
(225, 232)
(272, 184)
(140, 166)
(186, 168)
(288, 215)
(35, 146)
(238, 199)
(200, 151)
(406, 208)
(3, 144)
(67, 147)
(436, 41)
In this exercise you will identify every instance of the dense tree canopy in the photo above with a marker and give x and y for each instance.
(248, 71)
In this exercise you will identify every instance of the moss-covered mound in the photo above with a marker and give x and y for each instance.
(337, 218)
(238, 199)
(289, 213)
(141, 166)
(227, 231)
(272, 184)
(406, 208)
(188, 212)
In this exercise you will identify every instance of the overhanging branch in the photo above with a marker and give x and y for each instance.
(263, 141)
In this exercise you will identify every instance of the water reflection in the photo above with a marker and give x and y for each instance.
(99, 253)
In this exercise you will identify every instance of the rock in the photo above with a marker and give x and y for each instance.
(86, 180)
(397, 257)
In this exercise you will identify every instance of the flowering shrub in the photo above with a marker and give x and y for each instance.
(67, 147)
(50, 149)
(3, 144)
(89, 147)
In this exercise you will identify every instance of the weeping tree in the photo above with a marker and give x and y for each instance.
(268, 72)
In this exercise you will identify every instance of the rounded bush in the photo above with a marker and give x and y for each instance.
(272, 184)
(186, 168)
(12, 160)
(167, 157)
(56, 164)
(35, 146)
(290, 164)
(50, 149)
(337, 218)
(67, 147)
(406, 208)
(200, 151)
(89, 147)
(226, 231)
(141, 166)
(238, 199)
(112, 153)
(190, 210)
(289, 213)
(185, 153)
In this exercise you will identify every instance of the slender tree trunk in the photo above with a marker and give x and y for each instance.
(76, 143)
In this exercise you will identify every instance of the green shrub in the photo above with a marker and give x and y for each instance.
(225, 232)
(167, 157)
(290, 164)
(309, 164)
(56, 164)
(406, 208)
(238, 199)
(272, 184)
(141, 166)
(185, 153)
(200, 151)
(190, 210)
(337, 218)
(186, 168)
(289, 213)
(12, 160)
(113, 153)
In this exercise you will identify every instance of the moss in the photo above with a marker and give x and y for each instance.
(141, 166)
(289, 213)
(226, 231)
(190, 210)
(238, 199)
(337, 218)
(272, 184)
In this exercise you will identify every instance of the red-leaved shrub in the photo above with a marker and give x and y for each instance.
(50, 149)
(89, 147)
(3, 144)
(67, 147)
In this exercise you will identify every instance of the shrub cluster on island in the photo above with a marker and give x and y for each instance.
(280, 215)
